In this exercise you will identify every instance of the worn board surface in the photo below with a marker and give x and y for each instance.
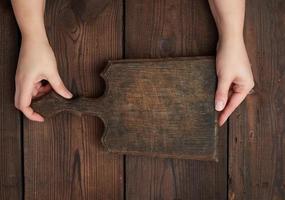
(162, 108)
(64, 158)
(152, 107)
(257, 128)
(170, 28)
(10, 121)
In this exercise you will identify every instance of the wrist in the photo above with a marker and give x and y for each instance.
(231, 39)
(36, 34)
(231, 35)
(34, 38)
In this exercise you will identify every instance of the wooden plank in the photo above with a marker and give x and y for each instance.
(169, 28)
(257, 157)
(10, 122)
(148, 107)
(64, 158)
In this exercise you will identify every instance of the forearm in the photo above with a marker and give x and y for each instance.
(229, 17)
(30, 18)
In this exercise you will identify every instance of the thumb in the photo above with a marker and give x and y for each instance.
(58, 86)
(222, 92)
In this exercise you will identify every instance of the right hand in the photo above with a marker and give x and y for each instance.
(235, 78)
(36, 63)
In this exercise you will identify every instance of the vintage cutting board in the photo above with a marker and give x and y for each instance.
(155, 107)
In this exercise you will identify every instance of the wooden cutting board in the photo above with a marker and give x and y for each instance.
(154, 107)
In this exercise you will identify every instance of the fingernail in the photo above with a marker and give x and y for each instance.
(219, 105)
(69, 94)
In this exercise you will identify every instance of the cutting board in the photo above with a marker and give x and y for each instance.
(152, 107)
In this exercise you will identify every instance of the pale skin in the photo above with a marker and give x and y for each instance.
(37, 61)
(235, 79)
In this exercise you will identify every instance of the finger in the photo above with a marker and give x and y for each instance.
(234, 102)
(34, 92)
(42, 91)
(44, 88)
(39, 95)
(24, 105)
(58, 86)
(222, 93)
(24, 101)
(30, 114)
(36, 88)
(37, 85)
(16, 97)
(21, 90)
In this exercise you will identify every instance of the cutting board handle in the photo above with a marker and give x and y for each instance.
(52, 104)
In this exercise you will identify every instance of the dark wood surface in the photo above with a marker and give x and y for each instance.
(64, 158)
(257, 154)
(169, 28)
(152, 107)
(10, 124)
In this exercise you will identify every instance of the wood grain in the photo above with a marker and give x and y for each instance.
(169, 28)
(10, 124)
(64, 158)
(257, 154)
(149, 108)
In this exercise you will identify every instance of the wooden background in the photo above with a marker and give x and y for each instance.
(63, 157)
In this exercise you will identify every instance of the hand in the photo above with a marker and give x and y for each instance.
(36, 63)
(235, 79)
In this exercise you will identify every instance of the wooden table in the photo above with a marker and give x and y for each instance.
(63, 157)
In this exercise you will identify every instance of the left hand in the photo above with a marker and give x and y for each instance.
(235, 79)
